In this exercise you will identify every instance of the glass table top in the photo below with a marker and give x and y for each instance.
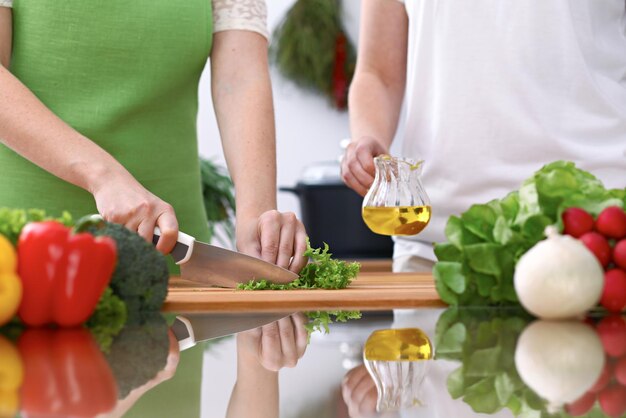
(452, 363)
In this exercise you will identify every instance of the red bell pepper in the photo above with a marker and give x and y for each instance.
(63, 274)
(65, 374)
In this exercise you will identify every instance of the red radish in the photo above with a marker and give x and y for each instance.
(613, 400)
(619, 254)
(576, 222)
(620, 371)
(603, 380)
(612, 222)
(599, 246)
(612, 332)
(582, 405)
(614, 292)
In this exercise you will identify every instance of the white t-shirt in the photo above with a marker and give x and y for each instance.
(250, 15)
(498, 88)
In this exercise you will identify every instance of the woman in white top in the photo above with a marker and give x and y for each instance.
(494, 90)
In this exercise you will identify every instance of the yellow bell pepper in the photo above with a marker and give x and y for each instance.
(11, 378)
(8, 256)
(10, 296)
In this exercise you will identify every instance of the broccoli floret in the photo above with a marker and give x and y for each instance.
(139, 352)
(141, 275)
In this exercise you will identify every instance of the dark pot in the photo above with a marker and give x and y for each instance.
(331, 213)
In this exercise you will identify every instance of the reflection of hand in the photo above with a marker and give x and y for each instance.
(261, 353)
(276, 345)
(357, 166)
(167, 373)
(359, 392)
(125, 201)
(274, 237)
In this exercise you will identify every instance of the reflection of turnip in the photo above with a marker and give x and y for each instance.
(559, 360)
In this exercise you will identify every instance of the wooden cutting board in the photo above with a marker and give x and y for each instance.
(369, 291)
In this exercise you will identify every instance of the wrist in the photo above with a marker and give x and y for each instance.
(97, 175)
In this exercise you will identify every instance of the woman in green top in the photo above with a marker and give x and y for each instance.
(98, 106)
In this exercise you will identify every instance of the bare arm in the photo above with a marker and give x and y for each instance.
(242, 97)
(377, 89)
(261, 353)
(29, 128)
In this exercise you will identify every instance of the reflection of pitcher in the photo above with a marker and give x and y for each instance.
(396, 204)
(397, 360)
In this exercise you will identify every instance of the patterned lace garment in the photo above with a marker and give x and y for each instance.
(248, 15)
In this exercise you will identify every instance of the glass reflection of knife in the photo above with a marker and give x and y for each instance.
(191, 329)
(214, 266)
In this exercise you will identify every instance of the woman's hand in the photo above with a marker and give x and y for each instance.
(125, 201)
(278, 238)
(359, 392)
(357, 165)
(274, 346)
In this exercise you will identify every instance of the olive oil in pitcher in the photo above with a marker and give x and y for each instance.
(396, 203)
(396, 220)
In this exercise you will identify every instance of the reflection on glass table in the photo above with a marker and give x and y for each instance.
(485, 363)
(64, 373)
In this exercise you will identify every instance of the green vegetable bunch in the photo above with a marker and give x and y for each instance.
(12, 221)
(305, 45)
(477, 263)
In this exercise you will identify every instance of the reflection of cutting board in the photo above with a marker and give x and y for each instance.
(368, 291)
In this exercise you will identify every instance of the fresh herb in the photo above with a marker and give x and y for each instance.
(476, 265)
(319, 320)
(12, 221)
(107, 320)
(322, 272)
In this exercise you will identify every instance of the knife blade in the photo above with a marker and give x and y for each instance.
(190, 329)
(214, 266)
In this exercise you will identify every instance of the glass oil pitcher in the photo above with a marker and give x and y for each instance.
(396, 204)
(398, 360)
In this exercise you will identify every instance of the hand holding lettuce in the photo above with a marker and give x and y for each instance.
(476, 266)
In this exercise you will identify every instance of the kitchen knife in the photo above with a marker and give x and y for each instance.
(194, 328)
(210, 265)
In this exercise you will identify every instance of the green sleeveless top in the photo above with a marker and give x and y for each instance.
(124, 73)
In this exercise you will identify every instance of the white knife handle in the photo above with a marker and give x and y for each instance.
(183, 331)
(181, 253)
